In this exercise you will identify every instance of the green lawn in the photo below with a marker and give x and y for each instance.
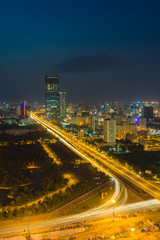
(92, 202)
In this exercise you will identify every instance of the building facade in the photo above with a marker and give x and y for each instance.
(52, 97)
(94, 123)
(62, 111)
(120, 131)
(23, 105)
(109, 131)
(148, 112)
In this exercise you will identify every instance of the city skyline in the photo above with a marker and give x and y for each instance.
(80, 119)
(99, 50)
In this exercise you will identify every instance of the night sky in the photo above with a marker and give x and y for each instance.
(102, 50)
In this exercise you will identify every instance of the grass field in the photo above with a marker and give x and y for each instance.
(93, 201)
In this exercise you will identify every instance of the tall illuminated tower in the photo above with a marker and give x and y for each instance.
(62, 104)
(23, 105)
(94, 122)
(52, 98)
(109, 131)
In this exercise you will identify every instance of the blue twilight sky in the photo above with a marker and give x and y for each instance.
(101, 49)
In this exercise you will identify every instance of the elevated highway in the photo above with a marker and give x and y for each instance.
(97, 159)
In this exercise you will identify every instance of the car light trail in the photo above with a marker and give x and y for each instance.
(123, 172)
(104, 210)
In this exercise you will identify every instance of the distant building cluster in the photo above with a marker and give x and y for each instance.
(13, 113)
(112, 121)
(138, 122)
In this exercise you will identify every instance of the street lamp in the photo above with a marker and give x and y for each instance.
(113, 201)
(132, 230)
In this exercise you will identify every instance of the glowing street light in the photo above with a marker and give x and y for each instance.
(132, 230)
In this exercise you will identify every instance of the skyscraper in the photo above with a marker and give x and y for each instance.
(94, 122)
(109, 131)
(23, 105)
(52, 98)
(148, 112)
(62, 104)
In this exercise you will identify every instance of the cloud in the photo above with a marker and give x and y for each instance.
(88, 63)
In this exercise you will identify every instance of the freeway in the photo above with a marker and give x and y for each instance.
(99, 160)
(93, 214)
(103, 163)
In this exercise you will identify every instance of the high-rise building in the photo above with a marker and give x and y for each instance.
(148, 112)
(109, 131)
(82, 118)
(131, 129)
(36, 105)
(120, 118)
(23, 105)
(120, 131)
(52, 98)
(94, 122)
(18, 111)
(62, 104)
